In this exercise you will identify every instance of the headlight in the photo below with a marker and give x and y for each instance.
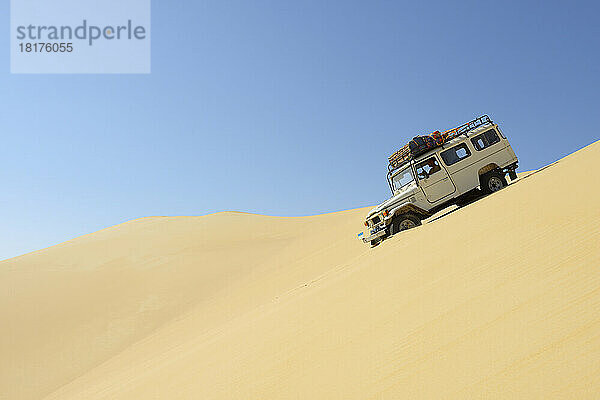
(386, 213)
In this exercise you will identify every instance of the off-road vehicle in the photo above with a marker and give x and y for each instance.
(435, 171)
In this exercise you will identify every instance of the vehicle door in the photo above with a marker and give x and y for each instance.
(434, 179)
(462, 163)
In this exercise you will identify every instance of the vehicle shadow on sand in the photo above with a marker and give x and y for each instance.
(453, 208)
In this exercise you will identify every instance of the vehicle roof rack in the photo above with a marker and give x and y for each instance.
(421, 144)
(469, 126)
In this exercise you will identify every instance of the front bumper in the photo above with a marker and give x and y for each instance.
(376, 233)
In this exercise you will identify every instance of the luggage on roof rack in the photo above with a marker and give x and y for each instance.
(422, 144)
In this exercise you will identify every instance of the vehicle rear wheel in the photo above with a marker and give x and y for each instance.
(492, 182)
(404, 222)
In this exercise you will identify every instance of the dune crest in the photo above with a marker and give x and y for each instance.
(499, 299)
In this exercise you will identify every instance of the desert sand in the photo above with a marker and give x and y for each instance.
(499, 299)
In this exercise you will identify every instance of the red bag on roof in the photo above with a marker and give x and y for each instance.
(422, 144)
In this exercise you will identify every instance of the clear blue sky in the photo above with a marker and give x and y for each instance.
(285, 108)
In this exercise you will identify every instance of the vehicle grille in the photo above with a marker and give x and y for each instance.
(376, 220)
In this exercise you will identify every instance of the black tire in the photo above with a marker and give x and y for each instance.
(405, 221)
(375, 242)
(492, 182)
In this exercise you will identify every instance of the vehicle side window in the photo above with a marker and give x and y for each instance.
(428, 167)
(486, 139)
(455, 154)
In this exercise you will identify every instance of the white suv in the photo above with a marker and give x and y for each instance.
(455, 167)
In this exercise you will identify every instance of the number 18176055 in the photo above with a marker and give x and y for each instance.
(43, 47)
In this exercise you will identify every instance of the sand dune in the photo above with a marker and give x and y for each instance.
(499, 299)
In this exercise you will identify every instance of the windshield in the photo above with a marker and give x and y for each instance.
(402, 178)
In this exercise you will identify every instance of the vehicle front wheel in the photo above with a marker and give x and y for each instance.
(492, 182)
(404, 222)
